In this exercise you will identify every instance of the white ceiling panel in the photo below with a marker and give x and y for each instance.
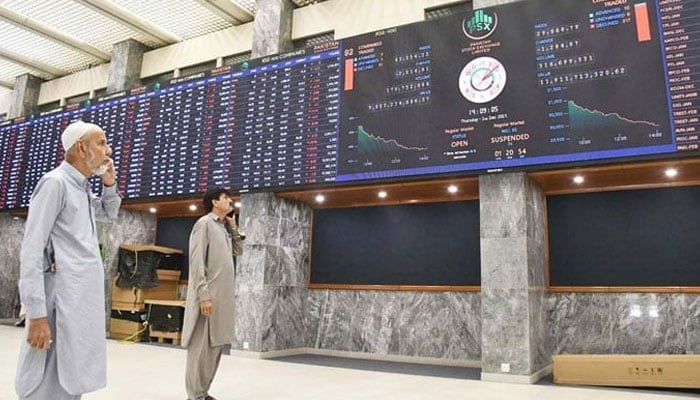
(39, 48)
(9, 71)
(92, 27)
(77, 20)
(185, 18)
(248, 5)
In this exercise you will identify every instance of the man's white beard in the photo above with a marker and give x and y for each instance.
(98, 170)
(101, 170)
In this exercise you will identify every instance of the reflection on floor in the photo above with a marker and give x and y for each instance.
(385, 366)
(436, 371)
(156, 372)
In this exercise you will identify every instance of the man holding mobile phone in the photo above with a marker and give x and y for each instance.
(209, 312)
(61, 273)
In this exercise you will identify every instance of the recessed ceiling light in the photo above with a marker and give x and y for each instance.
(152, 210)
(671, 172)
(320, 198)
(452, 189)
(578, 179)
(237, 204)
(193, 207)
(382, 194)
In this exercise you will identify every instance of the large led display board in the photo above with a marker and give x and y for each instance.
(524, 85)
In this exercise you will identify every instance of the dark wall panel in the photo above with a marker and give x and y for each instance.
(175, 233)
(420, 244)
(627, 238)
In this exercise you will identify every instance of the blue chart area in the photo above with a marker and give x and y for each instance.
(372, 150)
(598, 129)
(582, 118)
(601, 101)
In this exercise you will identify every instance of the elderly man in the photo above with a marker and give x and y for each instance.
(61, 273)
(208, 326)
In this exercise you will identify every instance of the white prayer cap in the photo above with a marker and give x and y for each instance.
(74, 132)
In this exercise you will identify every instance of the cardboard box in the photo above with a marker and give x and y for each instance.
(132, 299)
(167, 286)
(676, 371)
(122, 329)
(165, 315)
(138, 264)
(126, 299)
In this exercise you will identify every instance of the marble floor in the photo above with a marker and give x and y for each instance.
(147, 372)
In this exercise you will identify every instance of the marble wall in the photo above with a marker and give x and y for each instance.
(125, 65)
(512, 218)
(448, 325)
(24, 95)
(11, 232)
(272, 274)
(276, 311)
(272, 27)
(536, 215)
(419, 324)
(130, 227)
(431, 324)
(623, 323)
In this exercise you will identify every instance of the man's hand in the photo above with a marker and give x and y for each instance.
(109, 177)
(231, 222)
(39, 336)
(206, 307)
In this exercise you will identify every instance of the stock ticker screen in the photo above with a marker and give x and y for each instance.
(525, 84)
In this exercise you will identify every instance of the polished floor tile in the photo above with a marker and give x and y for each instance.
(147, 372)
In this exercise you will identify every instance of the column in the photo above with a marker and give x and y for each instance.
(272, 275)
(272, 27)
(131, 226)
(513, 286)
(12, 229)
(25, 95)
(125, 66)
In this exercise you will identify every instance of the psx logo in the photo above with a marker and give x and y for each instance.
(480, 25)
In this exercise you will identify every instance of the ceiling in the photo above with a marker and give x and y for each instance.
(59, 37)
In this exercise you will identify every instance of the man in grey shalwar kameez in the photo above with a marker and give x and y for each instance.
(209, 317)
(61, 273)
